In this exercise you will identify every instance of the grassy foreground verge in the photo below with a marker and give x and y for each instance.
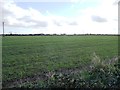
(99, 75)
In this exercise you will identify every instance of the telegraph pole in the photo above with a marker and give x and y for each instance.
(3, 28)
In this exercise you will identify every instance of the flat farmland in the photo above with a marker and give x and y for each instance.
(26, 56)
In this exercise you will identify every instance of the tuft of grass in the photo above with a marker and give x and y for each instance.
(102, 75)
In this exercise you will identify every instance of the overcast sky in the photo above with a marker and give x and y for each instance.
(60, 16)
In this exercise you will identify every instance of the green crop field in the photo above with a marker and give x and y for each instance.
(27, 56)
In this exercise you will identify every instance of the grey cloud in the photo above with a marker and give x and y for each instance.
(73, 23)
(98, 19)
(57, 23)
(115, 19)
(39, 23)
(7, 23)
(24, 19)
(36, 24)
(7, 13)
(116, 2)
(27, 19)
(66, 22)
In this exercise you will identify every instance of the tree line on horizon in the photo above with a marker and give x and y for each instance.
(57, 34)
